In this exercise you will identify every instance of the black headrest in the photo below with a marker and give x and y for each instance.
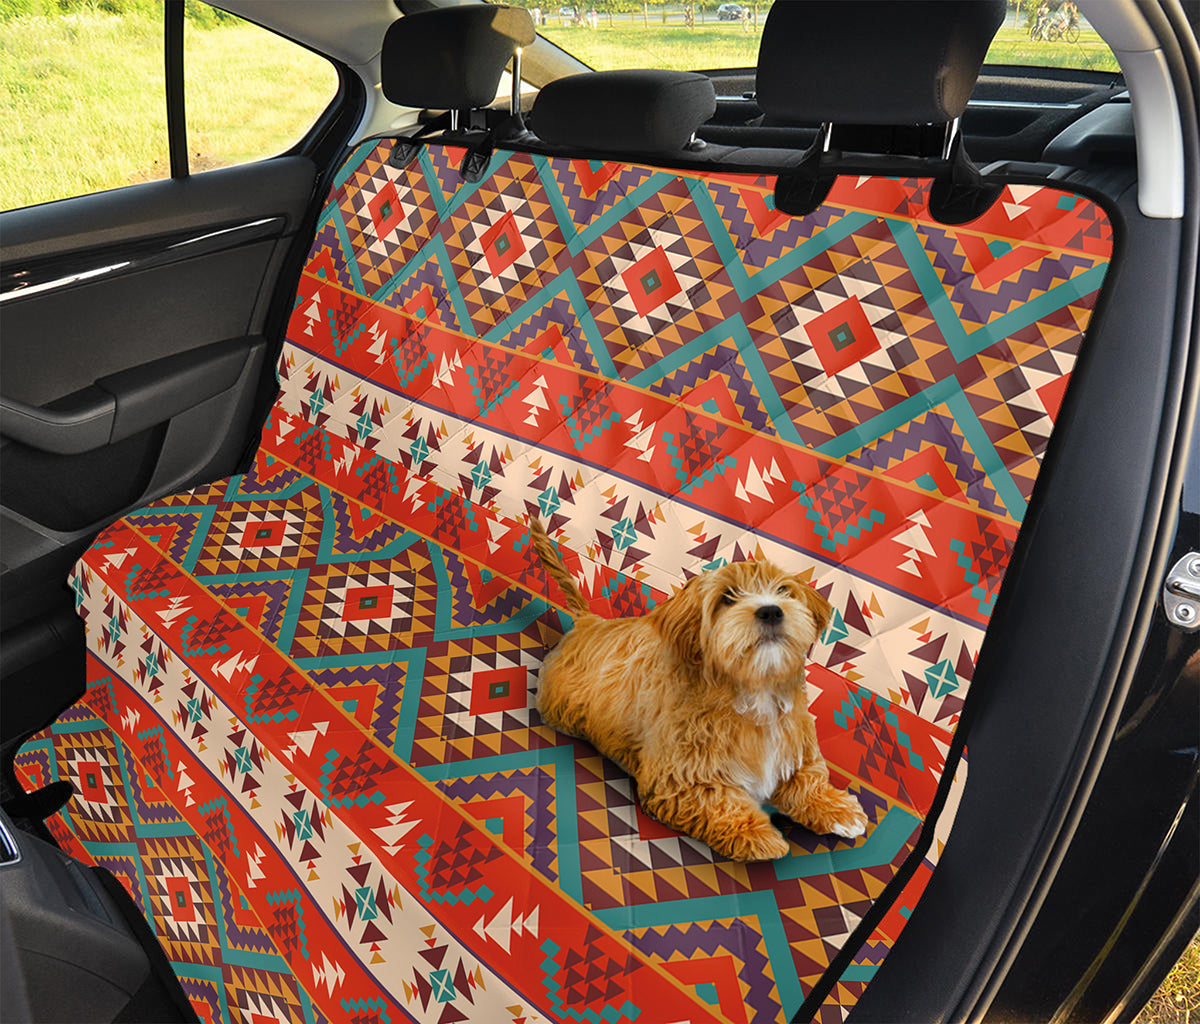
(623, 111)
(873, 61)
(451, 57)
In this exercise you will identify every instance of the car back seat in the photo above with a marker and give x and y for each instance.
(309, 746)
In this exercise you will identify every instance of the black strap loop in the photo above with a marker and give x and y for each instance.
(405, 151)
(959, 193)
(802, 185)
(962, 195)
(476, 159)
(475, 162)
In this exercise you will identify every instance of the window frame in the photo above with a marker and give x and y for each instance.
(173, 20)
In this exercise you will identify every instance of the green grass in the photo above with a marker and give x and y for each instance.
(251, 94)
(82, 106)
(630, 44)
(1177, 1000)
(1013, 46)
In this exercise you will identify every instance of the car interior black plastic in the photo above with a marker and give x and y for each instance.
(81, 954)
(122, 404)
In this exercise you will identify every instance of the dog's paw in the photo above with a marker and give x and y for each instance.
(845, 816)
(849, 831)
(762, 842)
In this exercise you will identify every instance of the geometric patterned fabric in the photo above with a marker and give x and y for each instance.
(309, 746)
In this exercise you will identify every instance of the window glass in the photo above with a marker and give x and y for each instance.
(83, 99)
(1050, 33)
(248, 92)
(681, 36)
(82, 107)
(707, 34)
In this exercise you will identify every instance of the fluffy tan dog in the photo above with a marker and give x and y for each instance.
(703, 702)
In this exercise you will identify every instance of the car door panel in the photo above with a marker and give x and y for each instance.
(189, 281)
(133, 354)
(156, 208)
(119, 405)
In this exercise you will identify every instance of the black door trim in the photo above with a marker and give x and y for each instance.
(173, 73)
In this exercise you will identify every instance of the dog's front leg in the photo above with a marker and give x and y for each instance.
(722, 816)
(807, 797)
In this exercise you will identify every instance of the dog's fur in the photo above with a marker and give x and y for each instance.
(703, 703)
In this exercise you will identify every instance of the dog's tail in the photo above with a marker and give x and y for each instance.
(553, 564)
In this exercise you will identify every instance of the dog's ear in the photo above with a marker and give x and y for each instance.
(679, 619)
(818, 607)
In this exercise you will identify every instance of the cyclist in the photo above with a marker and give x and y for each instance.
(1043, 17)
(1070, 20)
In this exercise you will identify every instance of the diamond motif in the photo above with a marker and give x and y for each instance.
(696, 455)
(651, 281)
(386, 211)
(941, 678)
(502, 244)
(837, 511)
(842, 336)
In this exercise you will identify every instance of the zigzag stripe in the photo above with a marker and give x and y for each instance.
(873, 952)
(534, 784)
(713, 938)
(936, 430)
(254, 939)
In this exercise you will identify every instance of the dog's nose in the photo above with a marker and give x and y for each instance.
(769, 613)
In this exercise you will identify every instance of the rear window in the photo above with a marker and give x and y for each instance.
(688, 36)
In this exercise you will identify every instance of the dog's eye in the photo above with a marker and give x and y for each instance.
(728, 597)
(781, 589)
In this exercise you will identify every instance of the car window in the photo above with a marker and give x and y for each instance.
(681, 36)
(1050, 33)
(249, 93)
(83, 105)
(708, 35)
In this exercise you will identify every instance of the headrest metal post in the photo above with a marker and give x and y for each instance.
(826, 135)
(952, 128)
(454, 119)
(514, 106)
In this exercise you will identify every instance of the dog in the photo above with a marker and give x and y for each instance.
(703, 702)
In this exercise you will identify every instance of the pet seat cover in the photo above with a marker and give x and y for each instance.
(309, 746)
